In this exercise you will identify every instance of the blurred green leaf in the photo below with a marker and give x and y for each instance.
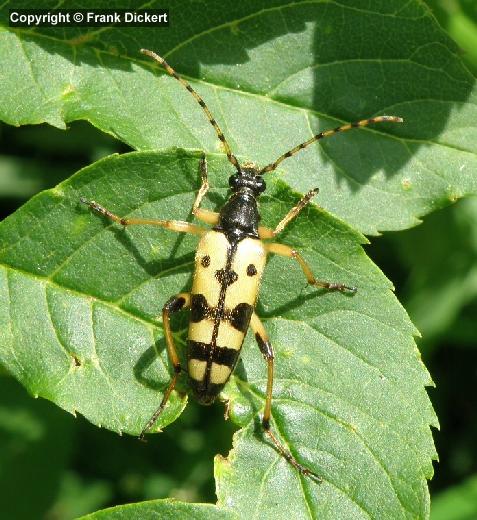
(440, 258)
(79, 303)
(39, 157)
(273, 73)
(22, 178)
(457, 503)
(176, 464)
(35, 445)
(76, 497)
(459, 18)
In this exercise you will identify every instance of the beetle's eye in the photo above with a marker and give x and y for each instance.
(260, 184)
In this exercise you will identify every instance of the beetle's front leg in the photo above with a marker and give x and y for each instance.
(175, 304)
(210, 217)
(265, 232)
(267, 351)
(289, 252)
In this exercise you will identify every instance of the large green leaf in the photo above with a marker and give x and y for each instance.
(79, 301)
(273, 73)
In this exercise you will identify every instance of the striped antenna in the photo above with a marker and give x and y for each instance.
(230, 156)
(327, 133)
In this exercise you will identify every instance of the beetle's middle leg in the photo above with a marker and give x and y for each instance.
(267, 350)
(173, 225)
(175, 304)
(211, 217)
(289, 252)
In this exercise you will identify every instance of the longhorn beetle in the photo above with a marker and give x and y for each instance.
(229, 263)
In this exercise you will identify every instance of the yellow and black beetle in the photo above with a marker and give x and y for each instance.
(229, 263)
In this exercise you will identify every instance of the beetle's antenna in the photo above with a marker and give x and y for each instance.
(230, 156)
(327, 133)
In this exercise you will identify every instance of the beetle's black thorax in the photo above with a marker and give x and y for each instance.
(239, 216)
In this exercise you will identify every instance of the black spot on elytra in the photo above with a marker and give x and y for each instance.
(240, 317)
(225, 356)
(251, 270)
(226, 277)
(199, 307)
(198, 350)
(205, 261)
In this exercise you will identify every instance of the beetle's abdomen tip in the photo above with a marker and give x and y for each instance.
(206, 400)
(205, 394)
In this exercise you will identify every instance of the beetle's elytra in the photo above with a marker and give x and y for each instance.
(229, 263)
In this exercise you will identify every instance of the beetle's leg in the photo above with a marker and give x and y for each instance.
(211, 217)
(173, 225)
(267, 350)
(264, 232)
(176, 303)
(289, 252)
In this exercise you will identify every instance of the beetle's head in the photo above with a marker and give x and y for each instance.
(248, 178)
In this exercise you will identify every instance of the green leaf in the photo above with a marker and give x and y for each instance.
(163, 509)
(273, 74)
(79, 304)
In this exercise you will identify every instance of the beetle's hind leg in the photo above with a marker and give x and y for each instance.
(267, 350)
(175, 304)
(210, 217)
(283, 250)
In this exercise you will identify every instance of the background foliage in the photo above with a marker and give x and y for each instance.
(96, 468)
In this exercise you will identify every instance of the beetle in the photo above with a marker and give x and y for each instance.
(229, 263)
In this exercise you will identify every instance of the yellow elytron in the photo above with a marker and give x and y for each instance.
(229, 263)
